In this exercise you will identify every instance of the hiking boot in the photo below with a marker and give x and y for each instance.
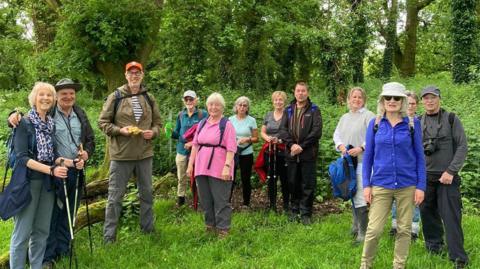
(180, 200)
(210, 229)
(414, 237)
(48, 265)
(108, 240)
(306, 220)
(222, 234)
(293, 217)
(460, 265)
(393, 232)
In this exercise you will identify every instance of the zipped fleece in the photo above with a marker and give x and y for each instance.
(309, 134)
(135, 147)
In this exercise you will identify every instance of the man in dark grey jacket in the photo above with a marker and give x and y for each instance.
(301, 129)
(445, 148)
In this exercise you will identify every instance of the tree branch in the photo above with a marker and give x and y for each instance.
(54, 5)
(422, 4)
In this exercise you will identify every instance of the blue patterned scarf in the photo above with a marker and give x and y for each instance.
(44, 135)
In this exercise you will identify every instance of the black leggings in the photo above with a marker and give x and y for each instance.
(245, 165)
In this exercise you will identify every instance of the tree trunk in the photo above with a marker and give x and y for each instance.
(391, 40)
(407, 67)
(359, 41)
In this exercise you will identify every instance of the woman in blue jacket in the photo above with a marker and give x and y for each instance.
(393, 168)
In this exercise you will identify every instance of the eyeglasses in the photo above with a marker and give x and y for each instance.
(396, 98)
(134, 74)
(242, 105)
(188, 99)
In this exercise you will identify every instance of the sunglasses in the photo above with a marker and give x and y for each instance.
(188, 99)
(396, 98)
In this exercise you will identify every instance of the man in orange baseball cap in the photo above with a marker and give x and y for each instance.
(130, 148)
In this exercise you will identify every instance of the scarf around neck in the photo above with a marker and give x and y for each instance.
(44, 135)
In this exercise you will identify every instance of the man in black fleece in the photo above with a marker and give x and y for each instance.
(300, 130)
(445, 147)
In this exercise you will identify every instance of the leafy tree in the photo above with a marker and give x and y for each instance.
(464, 36)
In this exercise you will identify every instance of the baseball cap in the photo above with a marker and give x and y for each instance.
(134, 64)
(189, 93)
(430, 90)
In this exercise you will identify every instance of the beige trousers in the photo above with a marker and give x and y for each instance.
(379, 211)
(182, 163)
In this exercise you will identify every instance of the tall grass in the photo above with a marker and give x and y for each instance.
(257, 240)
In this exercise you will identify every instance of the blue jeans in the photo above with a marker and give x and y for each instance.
(415, 219)
(31, 228)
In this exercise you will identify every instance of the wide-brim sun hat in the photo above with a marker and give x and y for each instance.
(393, 89)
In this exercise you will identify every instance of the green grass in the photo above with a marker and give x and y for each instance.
(257, 240)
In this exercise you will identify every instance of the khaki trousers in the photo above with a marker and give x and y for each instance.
(379, 211)
(182, 163)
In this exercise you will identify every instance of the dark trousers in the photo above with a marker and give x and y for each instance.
(443, 203)
(279, 171)
(58, 242)
(245, 164)
(302, 181)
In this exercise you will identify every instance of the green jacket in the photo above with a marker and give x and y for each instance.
(135, 147)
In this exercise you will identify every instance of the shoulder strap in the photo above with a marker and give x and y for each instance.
(375, 126)
(223, 123)
(118, 98)
(179, 116)
(411, 125)
(149, 100)
(451, 118)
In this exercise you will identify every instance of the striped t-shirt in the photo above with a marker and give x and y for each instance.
(137, 108)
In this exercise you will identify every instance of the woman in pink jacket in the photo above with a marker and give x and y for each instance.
(214, 147)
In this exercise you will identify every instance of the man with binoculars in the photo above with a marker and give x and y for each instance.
(445, 148)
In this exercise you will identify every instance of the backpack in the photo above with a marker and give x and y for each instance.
(11, 157)
(222, 125)
(119, 97)
(343, 176)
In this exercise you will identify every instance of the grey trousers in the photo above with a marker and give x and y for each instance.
(120, 173)
(214, 197)
(32, 226)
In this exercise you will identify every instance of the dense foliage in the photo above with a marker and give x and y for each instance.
(464, 28)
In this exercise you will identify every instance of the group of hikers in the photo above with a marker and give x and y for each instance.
(405, 163)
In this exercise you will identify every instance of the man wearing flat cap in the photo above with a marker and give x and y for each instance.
(131, 119)
(445, 148)
(72, 129)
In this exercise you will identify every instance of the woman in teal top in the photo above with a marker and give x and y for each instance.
(247, 133)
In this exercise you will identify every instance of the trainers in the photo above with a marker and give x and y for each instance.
(210, 229)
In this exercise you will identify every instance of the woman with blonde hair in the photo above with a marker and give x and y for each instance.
(349, 138)
(393, 168)
(276, 152)
(32, 223)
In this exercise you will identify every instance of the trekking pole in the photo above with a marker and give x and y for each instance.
(86, 207)
(275, 170)
(5, 175)
(269, 161)
(69, 216)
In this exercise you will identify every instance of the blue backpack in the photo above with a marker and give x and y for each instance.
(343, 177)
